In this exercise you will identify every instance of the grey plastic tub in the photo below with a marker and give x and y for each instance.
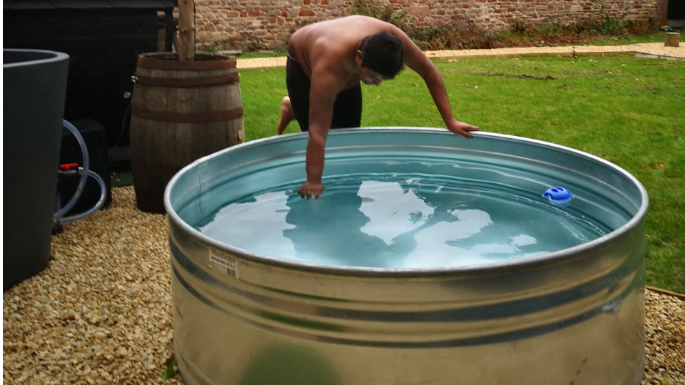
(34, 89)
(573, 316)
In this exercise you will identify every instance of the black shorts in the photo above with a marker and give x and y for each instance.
(347, 110)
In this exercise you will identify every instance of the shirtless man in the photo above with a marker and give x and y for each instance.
(327, 60)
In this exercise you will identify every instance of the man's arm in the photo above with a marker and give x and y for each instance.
(324, 89)
(417, 61)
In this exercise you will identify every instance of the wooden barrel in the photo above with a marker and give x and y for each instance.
(180, 111)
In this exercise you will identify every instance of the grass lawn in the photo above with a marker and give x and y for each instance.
(624, 109)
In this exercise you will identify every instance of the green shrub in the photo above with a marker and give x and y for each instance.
(380, 10)
(457, 34)
(464, 34)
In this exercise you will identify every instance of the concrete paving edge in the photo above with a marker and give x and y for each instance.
(656, 49)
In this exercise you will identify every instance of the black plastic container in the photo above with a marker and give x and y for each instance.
(34, 89)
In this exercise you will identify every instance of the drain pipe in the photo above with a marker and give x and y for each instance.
(58, 217)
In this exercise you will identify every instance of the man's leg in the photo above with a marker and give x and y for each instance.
(296, 104)
(347, 110)
(287, 115)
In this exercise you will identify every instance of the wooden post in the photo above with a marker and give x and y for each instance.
(186, 30)
(672, 39)
(161, 35)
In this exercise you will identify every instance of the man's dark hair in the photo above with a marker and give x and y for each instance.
(382, 53)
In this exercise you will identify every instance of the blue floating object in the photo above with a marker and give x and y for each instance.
(558, 196)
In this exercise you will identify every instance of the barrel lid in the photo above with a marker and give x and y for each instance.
(169, 61)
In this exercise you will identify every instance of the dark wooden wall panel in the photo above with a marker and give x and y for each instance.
(103, 45)
(676, 9)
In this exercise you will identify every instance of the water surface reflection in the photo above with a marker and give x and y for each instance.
(393, 224)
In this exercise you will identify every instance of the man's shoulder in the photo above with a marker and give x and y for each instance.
(332, 46)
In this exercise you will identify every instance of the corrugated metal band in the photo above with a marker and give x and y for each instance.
(189, 82)
(207, 117)
(171, 64)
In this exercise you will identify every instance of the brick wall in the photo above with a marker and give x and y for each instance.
(261, 24)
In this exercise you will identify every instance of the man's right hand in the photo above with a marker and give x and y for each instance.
(311, 188)
(461, 128)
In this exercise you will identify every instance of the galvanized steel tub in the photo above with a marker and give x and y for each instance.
(574, 316)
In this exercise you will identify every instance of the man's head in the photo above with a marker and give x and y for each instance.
(381, 53)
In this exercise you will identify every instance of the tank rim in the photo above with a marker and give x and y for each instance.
(491, 268)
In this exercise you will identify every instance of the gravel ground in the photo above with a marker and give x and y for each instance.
(100, 312)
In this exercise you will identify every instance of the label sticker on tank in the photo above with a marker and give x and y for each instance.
(222, 262)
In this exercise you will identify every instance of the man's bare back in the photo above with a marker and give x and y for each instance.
(334, 42)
